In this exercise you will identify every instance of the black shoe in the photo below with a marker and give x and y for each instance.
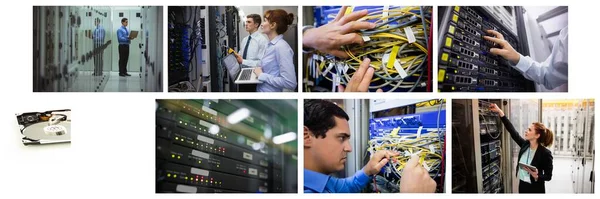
(122, 75)
(127, 74)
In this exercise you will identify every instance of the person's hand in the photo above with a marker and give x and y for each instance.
(494, 108)
(239, 58)
(331, 37)
(533, 173)
(361, 79)
(378, 160)
(415, 179)
(505, 50)
(258, 71)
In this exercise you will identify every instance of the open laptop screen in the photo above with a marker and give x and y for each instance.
(232, 66)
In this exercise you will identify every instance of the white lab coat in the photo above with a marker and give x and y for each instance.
(553, 72)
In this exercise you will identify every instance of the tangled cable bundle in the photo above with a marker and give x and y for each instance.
(398, 48)
(428, 147)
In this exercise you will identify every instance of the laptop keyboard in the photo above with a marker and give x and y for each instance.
(246, 75)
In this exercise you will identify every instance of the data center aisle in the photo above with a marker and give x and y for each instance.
(123, 84)
(560, 176)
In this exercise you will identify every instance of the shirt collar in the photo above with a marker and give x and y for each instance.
(255, 34)
(276, 39)
(315, 181)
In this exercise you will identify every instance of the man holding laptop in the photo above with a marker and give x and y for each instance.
(253, 47)
(124, 40)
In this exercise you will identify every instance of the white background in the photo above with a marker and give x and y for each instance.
(112, 153)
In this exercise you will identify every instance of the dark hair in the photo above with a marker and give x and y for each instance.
(123, 20)
(319, 116)
(255, 18)
(281, 18)
(546, 136)
(97, 19)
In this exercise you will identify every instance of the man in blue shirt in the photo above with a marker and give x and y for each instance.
(98, 38)
(124, 41)
(326, 143)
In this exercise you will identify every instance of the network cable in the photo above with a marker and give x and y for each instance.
(396, 48)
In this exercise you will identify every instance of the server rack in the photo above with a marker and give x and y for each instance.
(193, 157)
(465, 64)
(481, 155)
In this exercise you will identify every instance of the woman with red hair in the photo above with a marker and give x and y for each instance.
(276, 70)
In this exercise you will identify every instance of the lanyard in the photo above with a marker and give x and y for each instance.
(528, 152)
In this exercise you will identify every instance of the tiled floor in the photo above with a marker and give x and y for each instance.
(86, 82)
(123, 84)
(568, 175)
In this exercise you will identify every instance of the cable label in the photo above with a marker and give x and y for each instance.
(410, 35)
(328, 68)
(392, 62)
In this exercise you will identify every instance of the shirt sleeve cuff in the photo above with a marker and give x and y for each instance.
(362, 177)
(524, 63)
(247, 63)
(263, 77)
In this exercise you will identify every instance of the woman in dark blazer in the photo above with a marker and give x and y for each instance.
(533, 152)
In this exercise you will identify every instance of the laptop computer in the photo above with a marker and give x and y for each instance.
(133, 34)
(238, 74)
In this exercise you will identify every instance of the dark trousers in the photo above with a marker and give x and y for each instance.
(525, 187)
(98, 60)
(123, 57)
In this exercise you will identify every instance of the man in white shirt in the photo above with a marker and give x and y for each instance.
(253, 45)
(252, 48)
(551, 73)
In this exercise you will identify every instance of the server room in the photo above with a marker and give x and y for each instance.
(523, 146)
(233, 48)
(503, 49)
(389, 47)
(97, 49)
(374, 146)
(226, 146)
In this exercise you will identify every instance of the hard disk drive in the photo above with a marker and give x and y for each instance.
(47, 127)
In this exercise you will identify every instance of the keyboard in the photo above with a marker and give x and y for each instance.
(246, 74)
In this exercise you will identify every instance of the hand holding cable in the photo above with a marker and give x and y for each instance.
(378, 160)
(415, 179)
(339, 32)
(361, 79)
